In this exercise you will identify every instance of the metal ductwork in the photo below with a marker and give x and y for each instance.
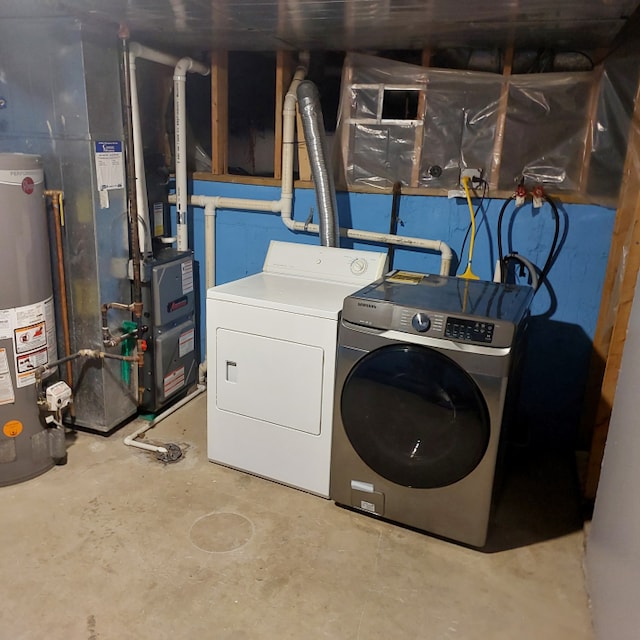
(313, 125)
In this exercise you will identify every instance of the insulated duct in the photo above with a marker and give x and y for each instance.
(313, 125)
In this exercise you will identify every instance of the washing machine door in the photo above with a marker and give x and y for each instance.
(414, 416)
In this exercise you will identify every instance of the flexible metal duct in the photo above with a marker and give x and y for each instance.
(313, 125)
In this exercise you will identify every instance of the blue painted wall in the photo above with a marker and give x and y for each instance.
(564, 313)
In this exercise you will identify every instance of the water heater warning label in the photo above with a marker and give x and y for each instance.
(32, 330)
(7, 395)
(30, 361)
(30, 338)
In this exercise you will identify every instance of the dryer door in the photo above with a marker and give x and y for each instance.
(414, 416)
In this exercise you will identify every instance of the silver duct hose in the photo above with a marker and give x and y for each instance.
(313, 125)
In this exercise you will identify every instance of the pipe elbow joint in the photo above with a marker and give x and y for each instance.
(445, 251)
(303, 59)
(180, 70)
(189, 64)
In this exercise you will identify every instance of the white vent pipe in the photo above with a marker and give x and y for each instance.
(180, 117)
(136, 50)
(181, 67)
(284, 204)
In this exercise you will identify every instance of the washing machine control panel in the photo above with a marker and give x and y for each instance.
(469, 330)
(421, 322)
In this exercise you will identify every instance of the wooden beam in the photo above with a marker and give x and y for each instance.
(420, 116)
(219, 112)
(494, 173)
(591, 123)
(304, 165)
(615, 305)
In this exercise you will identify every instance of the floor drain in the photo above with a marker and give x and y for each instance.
(220, 532)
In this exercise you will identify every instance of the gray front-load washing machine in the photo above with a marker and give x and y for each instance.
(422, 387)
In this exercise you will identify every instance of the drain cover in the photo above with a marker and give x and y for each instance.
(173, 453)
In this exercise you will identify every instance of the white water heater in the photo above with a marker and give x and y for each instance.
(27, 318)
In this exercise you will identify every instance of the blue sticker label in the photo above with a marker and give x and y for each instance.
(114, 146)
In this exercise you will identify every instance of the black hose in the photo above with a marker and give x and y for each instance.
(556, 235)
(549, 261)
(500, 216)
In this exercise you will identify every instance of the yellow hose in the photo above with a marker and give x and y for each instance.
(468, 274)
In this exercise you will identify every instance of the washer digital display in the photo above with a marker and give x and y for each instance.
(470, 330)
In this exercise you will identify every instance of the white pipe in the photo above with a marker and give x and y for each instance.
(131, 441)
(136, 50)
(219, 202)
(140, 51)
(284, 204)
(210, 244)
(386, 238)
(138, 159)
(288, 138)
(179, 107)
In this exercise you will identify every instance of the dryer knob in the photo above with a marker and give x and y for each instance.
(420, 322)
(358, 266)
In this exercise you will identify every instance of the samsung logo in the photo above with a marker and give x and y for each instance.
(367, 305)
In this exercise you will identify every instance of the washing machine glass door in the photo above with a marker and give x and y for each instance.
(414, 416)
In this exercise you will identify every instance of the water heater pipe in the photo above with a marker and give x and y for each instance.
(57, 200)
(179, 108)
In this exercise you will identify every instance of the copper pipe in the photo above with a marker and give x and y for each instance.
(57, 198)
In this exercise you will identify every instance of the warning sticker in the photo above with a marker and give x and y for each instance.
(7, 395)
(187, 342)
(12, 428)
(6, 323)
(31, 314)
(158, 219)
(405, 277)
(31, 361)
(173, 381)
(187, 277)
(109, 165)
(33, 331)
(31, 337)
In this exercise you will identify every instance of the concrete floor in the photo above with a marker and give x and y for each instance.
(116, 545)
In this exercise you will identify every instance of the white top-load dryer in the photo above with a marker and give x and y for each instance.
(271, 353)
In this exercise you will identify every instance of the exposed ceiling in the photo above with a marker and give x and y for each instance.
(255, 25)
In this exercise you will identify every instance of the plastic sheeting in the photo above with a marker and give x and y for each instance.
(422, 126)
